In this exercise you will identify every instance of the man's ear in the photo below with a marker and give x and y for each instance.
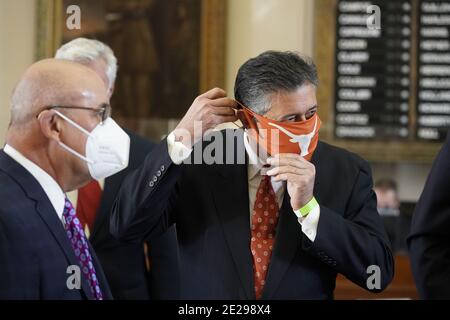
(50, 124)
(248, 121)
(111, 91)
(241, 116)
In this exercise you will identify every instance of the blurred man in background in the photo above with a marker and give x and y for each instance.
(388, 206)
(388, 202)
(124, 264)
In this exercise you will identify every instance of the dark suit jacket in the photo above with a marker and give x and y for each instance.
(124, 263)
(429, 241)
(35, 251)
(210, 206)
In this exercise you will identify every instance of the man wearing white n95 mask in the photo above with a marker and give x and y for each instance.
(58, 140)
(107, 146)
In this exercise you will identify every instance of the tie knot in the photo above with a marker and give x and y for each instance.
(265, 180)
(69, 210)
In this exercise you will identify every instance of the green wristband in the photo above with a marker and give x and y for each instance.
(304, 211)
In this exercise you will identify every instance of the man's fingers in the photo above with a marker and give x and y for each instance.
(218, 119)
(287, 169)
(289, 156)
(294, 161)
(214, 94)
(224, 102)
(223, 111)
(290, 177)
(229, 119)
(282, 177)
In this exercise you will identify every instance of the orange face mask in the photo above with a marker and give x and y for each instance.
(282, 137)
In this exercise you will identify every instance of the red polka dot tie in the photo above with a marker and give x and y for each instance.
(264, 221)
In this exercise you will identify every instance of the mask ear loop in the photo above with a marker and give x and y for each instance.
(73, 123)
(239, 126)
(234, 122)
(66, 147)
(245, 126)
(243, 121)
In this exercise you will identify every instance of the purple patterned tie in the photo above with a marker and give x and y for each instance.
(79, 244)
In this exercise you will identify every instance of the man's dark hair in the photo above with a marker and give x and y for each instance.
(270, 72)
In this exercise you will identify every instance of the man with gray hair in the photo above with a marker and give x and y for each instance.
(93, 54)
(280, 225)
(124, 264)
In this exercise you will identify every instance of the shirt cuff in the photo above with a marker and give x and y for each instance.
(178, 152)
(310, 223)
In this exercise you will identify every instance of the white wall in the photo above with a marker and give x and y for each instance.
(17, 26)
(410, 178)
(255, 26)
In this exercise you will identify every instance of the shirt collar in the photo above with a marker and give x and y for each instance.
(254, 168)
(50, 186)
(254, 164)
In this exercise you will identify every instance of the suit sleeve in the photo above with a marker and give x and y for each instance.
(353, 242)
(429, 241)
(143, 205)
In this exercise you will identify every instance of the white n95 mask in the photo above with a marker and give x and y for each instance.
(107, 148)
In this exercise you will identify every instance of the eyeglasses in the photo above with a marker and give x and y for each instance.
(103, 112)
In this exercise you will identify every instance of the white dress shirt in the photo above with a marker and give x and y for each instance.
(51, 188)
(178, 152)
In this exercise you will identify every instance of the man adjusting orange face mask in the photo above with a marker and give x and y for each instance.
(276, 137)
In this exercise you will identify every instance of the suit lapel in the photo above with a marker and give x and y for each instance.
(316, 161)
(287, 239)
(45, 209)
(229, 188)
(230, 192)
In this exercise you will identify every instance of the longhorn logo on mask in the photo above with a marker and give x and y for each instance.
(275, 137)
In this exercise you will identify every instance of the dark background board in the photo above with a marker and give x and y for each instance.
(382, 127)
(433, 62)
(373, 72)
(392, 83)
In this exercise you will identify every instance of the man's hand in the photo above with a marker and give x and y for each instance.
(210, 109)
(299, 174)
